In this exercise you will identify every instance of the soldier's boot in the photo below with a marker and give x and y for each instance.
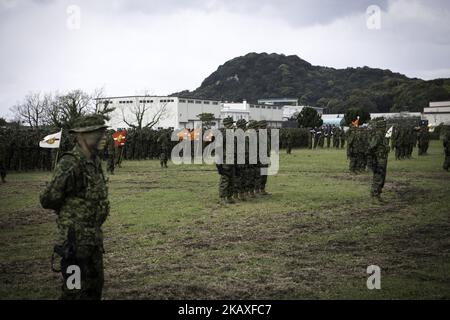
(265, 193)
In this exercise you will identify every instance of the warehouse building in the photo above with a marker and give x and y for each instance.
(437, 113)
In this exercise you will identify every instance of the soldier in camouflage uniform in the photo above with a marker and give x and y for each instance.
(79, 195)
(322, 137)
(111, 152)
(2, 159)
(164, 142)
(260, 187)
(367, 162)
(317, 134)
(289, 141)
(328, 135)
(446, 142)
(311, 138)
(352, 149)
(241, 177)
(423, 140)
(343, 137)
(253, 169)
(379, 150)
(226, 171)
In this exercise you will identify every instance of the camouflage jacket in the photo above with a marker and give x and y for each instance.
(79, 195)
(379, 145)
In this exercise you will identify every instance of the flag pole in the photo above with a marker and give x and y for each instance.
(56, 160)
(57, 154)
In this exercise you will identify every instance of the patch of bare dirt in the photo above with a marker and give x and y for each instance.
(24, 217)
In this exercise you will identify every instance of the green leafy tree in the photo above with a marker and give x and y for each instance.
(309, 118)
(207, 120)
(352, 114)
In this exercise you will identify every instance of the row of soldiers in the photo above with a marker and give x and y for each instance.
(241, 181)
(157, 144)
(403, 140)
(328, 134)
(368, 147)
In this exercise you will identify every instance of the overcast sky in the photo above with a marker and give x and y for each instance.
(129, 47)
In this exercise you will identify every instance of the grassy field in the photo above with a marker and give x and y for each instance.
(168, 238)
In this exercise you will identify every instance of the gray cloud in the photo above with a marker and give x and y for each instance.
(167, 46)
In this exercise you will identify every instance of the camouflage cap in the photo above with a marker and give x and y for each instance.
(262, 124)
(228, 121)
(89, 123)
(252, 124)
(241, 123)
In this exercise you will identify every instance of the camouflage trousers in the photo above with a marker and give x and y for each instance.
(262, 179)
(423, 147)
(253, 176)
(358, 162)
(90, 261)
(2, 171)
(111, 163)
(379, 167)
(446, 165)
(163, 158)
(227, 181)
(289, 149)
(241, 178)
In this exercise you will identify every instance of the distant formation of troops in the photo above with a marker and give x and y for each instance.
(241, 181)
(327, 134)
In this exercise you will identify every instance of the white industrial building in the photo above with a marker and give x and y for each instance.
(176, 112)
(437, 113)
(289, 111)
(183, 112)
(273, 114)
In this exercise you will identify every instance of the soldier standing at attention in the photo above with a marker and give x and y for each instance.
(2, 166)
(262, 181)
(226, 170)
(240, 182)
(289, 141)
(111, 150)
(352, 153)
(253, 169)
(322, 137)
(379, 150)
(423, 140)
(79, 195)
(328, 134)
(163, 141)
(446, 165)
(317, 134)
(343, 137)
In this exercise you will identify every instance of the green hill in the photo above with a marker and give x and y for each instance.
(256, 76)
